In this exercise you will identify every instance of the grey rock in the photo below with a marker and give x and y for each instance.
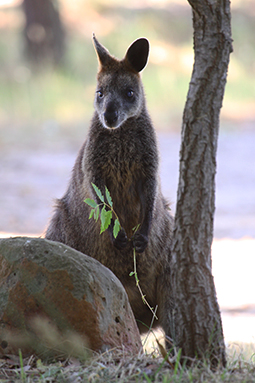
(57, 301)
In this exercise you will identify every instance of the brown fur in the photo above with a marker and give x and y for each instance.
(121, 153)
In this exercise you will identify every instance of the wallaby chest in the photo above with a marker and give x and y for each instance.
(117, 159)
(117, 155)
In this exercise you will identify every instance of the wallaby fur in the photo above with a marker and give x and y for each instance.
(121, 153)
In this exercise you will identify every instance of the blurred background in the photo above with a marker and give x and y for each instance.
(47, 81)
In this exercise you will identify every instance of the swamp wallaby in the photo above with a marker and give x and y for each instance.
(121, 153)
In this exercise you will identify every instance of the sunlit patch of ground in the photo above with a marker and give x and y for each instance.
(8, 235)
(9, 3)
(233, 270)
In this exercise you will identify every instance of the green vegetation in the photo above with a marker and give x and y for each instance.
(106, 214)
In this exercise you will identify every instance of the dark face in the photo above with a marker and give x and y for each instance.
(119, 96)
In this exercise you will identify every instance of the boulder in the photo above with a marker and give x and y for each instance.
(57, 301)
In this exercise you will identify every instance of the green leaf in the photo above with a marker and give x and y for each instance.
(92, 213)
(90, 202)
(116, 227)
(108, 196)
(132, 273)
(106, 217)
(102, 216)
(98, 192)
(96, 214)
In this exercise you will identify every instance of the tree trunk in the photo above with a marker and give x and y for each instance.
(44, 33)
(196, 320)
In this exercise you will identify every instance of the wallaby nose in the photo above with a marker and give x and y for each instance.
(110, 116)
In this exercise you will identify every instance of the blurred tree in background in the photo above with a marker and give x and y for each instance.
(43, 31)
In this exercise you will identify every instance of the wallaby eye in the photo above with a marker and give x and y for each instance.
(100, 94)
(130, 93)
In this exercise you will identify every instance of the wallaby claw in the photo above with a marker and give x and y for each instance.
(121, 241)
(140, 242)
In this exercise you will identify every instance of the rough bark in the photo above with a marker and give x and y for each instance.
(43, 31)
(197, 327)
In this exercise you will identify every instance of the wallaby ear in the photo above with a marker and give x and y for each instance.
(103, 54)
(137, 54)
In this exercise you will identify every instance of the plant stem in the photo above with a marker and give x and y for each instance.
(139, 288)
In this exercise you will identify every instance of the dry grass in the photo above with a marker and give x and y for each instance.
(119, 366)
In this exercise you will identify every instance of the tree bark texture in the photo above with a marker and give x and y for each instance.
(196, 320)
(44, 32)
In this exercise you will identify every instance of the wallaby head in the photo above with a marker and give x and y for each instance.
(119, 94)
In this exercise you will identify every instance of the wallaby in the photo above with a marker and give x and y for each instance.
(121, 153)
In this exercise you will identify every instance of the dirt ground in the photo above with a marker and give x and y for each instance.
(32, 176)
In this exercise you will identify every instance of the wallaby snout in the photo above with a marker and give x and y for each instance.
(111, 115)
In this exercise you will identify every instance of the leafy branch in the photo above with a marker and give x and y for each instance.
(106, 215)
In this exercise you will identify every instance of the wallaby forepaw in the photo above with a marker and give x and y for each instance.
(121, 241)
(140, 242)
